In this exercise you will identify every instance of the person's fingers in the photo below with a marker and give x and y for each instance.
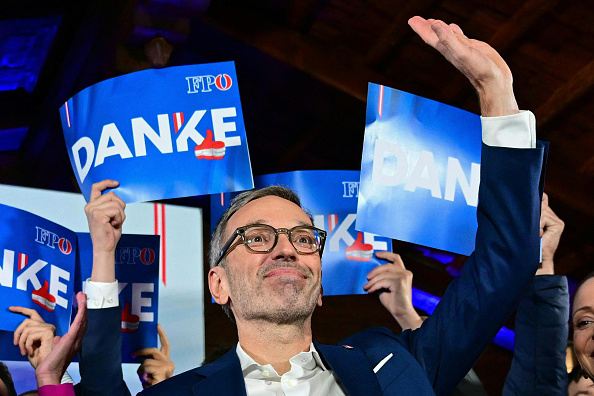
(33, 336)
(149, 352)
(79, 324)
(448, 44)
(98, 188)
(30, 312)
(380, 269)
(386, 276)
(393, 258)
(456, 29)
(165, 346)
(385, 284)
(545, 200)
(111, 210)
(19, 331)
(422, 27)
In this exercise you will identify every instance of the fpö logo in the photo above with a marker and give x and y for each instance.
(135, 255)
(206, 83)
(48, 238)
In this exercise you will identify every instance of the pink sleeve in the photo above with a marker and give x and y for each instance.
(56, 390)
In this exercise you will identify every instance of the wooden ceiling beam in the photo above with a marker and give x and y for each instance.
(568, 93)
(519, 23)
(344, 72)
(396, 32)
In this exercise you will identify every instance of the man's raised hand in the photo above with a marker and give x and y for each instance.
(478, 61)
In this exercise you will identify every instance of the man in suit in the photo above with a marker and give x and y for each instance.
(266, 271)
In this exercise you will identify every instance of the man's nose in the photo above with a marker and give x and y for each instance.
(284, 249)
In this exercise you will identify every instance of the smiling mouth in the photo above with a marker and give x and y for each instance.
(284, 271)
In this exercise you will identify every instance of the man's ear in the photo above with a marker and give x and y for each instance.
(320, 296)
(218, 285)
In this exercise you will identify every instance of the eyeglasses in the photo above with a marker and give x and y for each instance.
(262, 238)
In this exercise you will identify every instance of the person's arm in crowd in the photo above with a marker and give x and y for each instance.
(395, 283)
(158, 366)
(541, 327)
(100, 356)
(50, 370)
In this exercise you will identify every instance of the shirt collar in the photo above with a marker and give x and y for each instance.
(248, 364)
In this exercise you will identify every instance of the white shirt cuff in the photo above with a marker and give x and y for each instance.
(101, 294)
(512, 131)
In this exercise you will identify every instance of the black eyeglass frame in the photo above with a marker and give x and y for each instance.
(240, 231)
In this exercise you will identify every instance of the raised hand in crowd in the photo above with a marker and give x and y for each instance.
(158, 366)
(551, 228)
(64, 348)
(394, 282)
(106, 216)
(100, 357)
(34, 337)
(478, 61)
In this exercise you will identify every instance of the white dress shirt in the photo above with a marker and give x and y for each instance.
(308, 376)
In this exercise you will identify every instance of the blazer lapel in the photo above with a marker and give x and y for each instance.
(222, 377)
(351, 367)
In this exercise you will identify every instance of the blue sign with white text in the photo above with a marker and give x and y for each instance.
(36, 271)
(331, 197)
(137, 272)
(420, 171)
(162, 133)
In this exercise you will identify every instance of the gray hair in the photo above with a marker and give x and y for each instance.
(237, 203)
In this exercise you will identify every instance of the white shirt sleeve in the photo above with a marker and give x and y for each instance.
(101, 294)
(513, 131)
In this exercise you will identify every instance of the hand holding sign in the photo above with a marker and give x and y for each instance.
(52, 368)
(551, 228)
(105, 214)
(478, 61)
(159, 367)
(394, 282)
(34, 337)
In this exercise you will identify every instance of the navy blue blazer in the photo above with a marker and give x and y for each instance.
(100, 355)
(434, 358)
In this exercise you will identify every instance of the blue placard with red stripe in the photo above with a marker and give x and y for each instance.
(36, 271)
(420, 171)
(137, 272)
(331, 197)
(162, 133)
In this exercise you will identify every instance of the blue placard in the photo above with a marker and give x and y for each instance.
(36, 271)
(162, 133)
(137, 272)
(331, 197)
(420, 171)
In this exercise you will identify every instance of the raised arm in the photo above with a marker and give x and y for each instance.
(100, 357)
(506, 254)
(538, 366)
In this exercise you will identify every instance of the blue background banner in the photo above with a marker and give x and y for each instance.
(137, 272)
(36, 271)
(331, 197)
(162, 133)
(420, 171)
